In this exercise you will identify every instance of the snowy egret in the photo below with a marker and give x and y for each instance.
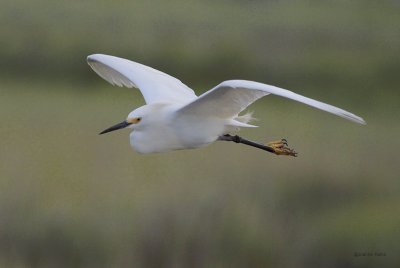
(175, 118)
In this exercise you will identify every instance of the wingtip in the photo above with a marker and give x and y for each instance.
(94, 57)
(91, 58)
(356, 119)
(347, 115)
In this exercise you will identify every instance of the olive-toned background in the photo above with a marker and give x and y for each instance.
(72, 198)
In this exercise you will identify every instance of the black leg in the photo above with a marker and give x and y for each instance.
(238, 139)
(281, 149)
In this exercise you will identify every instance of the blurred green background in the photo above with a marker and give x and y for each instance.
(72, 198)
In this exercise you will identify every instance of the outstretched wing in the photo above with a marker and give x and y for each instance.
(231, 97)
(154, 85)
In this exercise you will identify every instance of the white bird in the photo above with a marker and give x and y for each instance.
(175, 118)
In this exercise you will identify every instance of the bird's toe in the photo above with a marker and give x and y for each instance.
(280, 148)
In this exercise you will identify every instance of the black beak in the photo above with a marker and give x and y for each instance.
(123, 124)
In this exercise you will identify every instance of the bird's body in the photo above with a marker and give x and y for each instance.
(175, 118)
(165, 131)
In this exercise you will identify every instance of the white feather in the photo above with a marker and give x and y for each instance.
(155, 86)
(175, 118)
(231, 97)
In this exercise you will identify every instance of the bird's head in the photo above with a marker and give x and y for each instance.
(149, 115)
(133, 121)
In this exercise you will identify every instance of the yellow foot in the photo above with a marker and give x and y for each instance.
(280, 148)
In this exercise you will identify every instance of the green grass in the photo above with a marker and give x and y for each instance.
(320, 45)
(73, 198)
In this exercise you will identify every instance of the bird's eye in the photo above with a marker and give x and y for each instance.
(134, 120)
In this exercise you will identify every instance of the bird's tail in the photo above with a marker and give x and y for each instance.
(243, 120)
